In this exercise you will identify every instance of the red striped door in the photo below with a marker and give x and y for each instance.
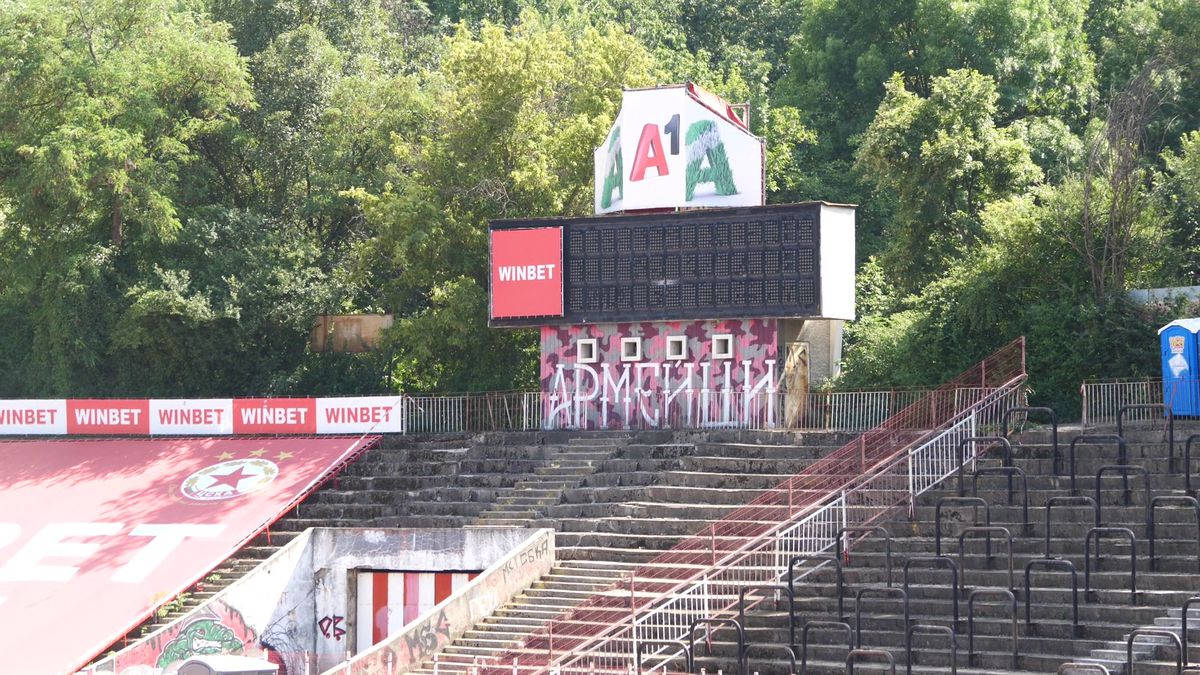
(388, 601)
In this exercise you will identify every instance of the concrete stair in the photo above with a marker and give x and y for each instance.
(494, 479)
(612, 523)
(1106, 614)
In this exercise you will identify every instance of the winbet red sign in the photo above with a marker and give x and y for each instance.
(527, 273)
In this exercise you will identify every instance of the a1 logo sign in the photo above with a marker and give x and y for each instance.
(668, 149)
(707, 162)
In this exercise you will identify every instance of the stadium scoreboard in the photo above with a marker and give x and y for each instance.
(738, 262)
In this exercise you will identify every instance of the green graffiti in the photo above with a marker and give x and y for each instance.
(204, 636)
(613, 180)
(704, 142)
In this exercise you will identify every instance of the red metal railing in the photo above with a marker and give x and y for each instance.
(745, 546)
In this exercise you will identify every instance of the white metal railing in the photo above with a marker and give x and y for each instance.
(1102, 400)
(700, 409)
(765, 560)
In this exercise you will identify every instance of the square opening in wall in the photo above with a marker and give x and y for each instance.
(677, 348)
(631, 349)
(722, 347)
(587, 350)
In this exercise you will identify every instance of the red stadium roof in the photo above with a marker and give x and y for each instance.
(95, 534)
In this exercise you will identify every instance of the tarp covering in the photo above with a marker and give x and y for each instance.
(95, 534)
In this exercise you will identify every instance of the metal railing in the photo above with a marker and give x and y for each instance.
(1103, 400)
(699, 409)
(470, 413)
(859, 484)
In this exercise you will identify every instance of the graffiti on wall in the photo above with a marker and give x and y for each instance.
(332, 627)
(216, 628)
(219, 629)
(656, 390)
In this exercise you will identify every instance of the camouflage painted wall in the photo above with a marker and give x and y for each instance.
(655, 391)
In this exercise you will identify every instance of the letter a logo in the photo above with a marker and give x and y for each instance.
(704, 143)
(649, 154)
(614, 178)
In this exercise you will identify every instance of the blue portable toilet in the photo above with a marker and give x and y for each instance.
(1181, 366)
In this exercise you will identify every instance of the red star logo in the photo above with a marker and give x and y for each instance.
(230, 479)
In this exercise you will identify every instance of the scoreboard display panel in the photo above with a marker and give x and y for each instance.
(755, 261)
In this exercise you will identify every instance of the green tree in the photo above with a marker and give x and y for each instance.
(945, 159)
(1022, 280)
(847, 50)
(515, 115)
(102, 105)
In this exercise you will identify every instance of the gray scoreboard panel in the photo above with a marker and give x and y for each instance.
(719, 263)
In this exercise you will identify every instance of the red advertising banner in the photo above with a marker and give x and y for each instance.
(274, 416)
(204, 417)
(108, 417)
(97, 533)
(527, 273)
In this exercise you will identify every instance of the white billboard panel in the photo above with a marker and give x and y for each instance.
(187, 417)
(360, 415)
(34, 417)
(668, 150)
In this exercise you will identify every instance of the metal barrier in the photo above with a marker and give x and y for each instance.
(640, 647)
(881, 471)
(1010, 471)
(959, 501)
(1170, 415)
(708, 623)
(938, 561)
(990, 530)
(822, 625)
(1187, 462)
(865, 529)
(841, 579)
(1097, 439)
(1125, 470)
(974, 440)
(1153, 632)
(1151, 530)
(1053, 428)
(486, 411)
(1074, 668)
(1098, 532)
(787, 649)
(856, 654)
(791, 595)
(931, 628)
(1049, 564)
(535, 410)
(982, 592)
(1183, 623)
(883, 593)
(1101, 400)
(1072, 499)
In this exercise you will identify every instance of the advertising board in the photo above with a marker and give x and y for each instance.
(526, 273)
(677, 147)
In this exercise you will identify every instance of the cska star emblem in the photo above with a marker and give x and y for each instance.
(229, 479)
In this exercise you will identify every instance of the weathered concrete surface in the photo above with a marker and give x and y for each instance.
(276, 611)
(449, 620)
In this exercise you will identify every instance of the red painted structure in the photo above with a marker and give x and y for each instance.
(96, 534)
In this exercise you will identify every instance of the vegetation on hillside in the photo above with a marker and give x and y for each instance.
(185, 184)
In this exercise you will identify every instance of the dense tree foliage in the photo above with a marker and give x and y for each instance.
(185, 184)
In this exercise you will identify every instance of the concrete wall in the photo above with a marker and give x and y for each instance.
(262, 614)
(655, 391)
(421, 639)
(297, 609)
(340, 553)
